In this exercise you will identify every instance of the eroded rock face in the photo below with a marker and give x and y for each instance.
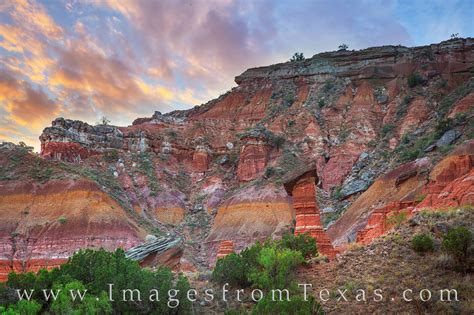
(42, 226)
(379, 220)
(201, 159)
(451, 185)
(253, 159)
(402, 184)
(250, 215)
(328, 109)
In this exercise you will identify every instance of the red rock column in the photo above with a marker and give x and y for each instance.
(308, 216)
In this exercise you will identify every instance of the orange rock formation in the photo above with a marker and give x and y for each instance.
(55, 220)
(307, 214)
(451, 185)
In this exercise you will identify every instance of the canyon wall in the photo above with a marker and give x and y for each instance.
(216, 172)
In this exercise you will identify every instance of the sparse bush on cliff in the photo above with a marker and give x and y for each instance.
(297, 56)
(103, 121)
(396, 219)
(414, 79)
(40, 172)
(62, 219)
(457, 243)
(277, 141)
(342, 47)
(321, 103)
(411, 151)
(442, 126)
(422, 243)
(386, 129)
(336, 193)
(403, 107)
(460, 92)
(111, 156)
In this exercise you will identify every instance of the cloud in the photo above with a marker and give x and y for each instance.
(25, 105)
(126, 58)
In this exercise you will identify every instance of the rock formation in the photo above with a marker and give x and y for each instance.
(253, 158)
(216, 172)
(451, 185)
(307, 214)
(42, 225)
(158, 252)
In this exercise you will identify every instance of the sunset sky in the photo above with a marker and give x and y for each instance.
(82, 59)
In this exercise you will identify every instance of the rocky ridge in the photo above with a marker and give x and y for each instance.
(361, 120)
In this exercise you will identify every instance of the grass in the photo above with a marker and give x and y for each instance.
(62, 220)
(459, 93)
(403, 107)
(147, 167)
(386, 129)
(410, 152)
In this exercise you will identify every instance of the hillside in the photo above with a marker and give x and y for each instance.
(347, 132)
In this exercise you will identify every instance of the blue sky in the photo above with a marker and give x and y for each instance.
(82, 59)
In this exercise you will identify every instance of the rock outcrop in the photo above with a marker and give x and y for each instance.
(307, 214)
(162, 251)
(230, 155)
(251, 214)
(43, 225)
(451, 185)
(253, 158)
(401, 184)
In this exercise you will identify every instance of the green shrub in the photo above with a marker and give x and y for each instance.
(23, 307)
(303, 243)
(94, 270)
(231, 269)
(289, 99)
(422, 243)
(460, 92)
(321, 103)
(269, 172)
(414, 79)
(297, 56)
(442, 126)
(274, 267)
(456, 243)
(386, 129)
(62, 219)
(336, 193)
(276, 141)
(403, 107)
(397, 218)
(111, 156)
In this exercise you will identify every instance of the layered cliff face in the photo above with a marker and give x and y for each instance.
(370, 123)
(450, 184)
(43, 225)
